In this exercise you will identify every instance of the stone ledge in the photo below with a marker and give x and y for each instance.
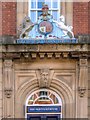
(44, 48)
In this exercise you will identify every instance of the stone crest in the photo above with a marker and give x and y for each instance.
(45, 27)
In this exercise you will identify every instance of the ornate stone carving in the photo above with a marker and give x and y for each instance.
(45, 27)
(8, 92)
(25, 27)
(81, 91)
(44, 77)
(8, 63)
(82, 77)
(66, 29)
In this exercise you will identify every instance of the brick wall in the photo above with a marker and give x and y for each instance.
(80, 17)
(9, 18)
(89, 17)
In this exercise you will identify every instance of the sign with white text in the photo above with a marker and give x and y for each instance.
(43, 109)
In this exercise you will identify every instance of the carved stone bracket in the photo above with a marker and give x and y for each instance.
(83, 67)
(8, 92)
(44, 77)
(8, 63)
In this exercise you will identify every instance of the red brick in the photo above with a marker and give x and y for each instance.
(9, 12)
(80, 17)
(89, 17)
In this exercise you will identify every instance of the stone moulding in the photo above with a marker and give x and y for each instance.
(42, 50)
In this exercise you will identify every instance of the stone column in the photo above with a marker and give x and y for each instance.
(82, 96)
(8, 87)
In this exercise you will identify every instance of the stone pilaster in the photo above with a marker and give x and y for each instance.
(82, 101)
(8, 87)
(83, 70)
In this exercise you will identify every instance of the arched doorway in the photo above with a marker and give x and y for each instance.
(45, 104)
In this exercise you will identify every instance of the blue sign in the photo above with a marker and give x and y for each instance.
(43, 109)
(46, 41)
(43, 116)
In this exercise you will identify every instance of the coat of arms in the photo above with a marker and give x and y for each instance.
(45, 27)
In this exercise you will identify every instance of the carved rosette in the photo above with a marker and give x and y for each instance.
(83, 65)
(44, 77)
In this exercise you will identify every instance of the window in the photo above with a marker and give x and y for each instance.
(43, 95)
(43, 101)
(36, 5)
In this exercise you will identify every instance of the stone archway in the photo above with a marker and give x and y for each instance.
(43, 101)
(58, 87)
(29, 77)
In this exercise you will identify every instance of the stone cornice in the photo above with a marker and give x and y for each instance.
(57, 50)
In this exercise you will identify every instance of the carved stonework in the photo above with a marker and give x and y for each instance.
(25, 27)
(8, 92)
(45, 27)
(82, 77)
(81, 91)
(8, 63)
(44, 77)
(83, 62)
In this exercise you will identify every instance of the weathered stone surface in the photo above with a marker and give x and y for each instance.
(58, 63)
